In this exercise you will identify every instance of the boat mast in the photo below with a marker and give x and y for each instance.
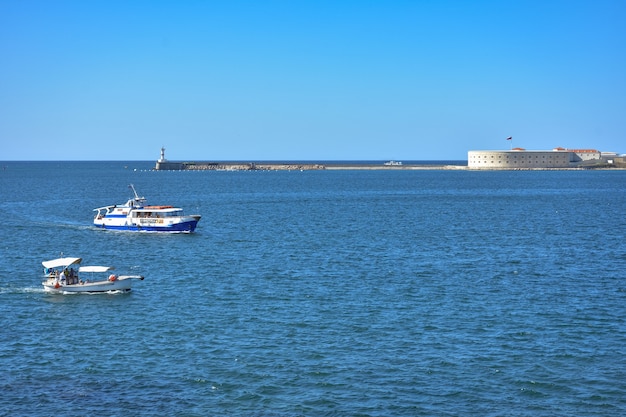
(137, 198)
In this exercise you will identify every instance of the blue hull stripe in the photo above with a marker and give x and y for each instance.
(181, 227)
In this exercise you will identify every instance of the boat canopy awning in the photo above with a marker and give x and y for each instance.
(159, 209)
(61, 262)
(95, 268)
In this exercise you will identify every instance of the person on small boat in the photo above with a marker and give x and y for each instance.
(57, 279)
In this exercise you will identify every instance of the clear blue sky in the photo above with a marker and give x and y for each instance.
(308, 80)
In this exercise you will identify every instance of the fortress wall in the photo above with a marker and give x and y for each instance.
(518, 159)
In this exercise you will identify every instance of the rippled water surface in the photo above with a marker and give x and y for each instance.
(369, 293)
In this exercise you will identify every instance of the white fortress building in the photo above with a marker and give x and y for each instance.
(520, 158)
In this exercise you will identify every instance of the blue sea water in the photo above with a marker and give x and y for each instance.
(319, 293)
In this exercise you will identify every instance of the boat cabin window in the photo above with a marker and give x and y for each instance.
(156, 214)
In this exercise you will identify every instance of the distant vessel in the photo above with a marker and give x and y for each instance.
(62, 276)
(393, 163)
(136, 216)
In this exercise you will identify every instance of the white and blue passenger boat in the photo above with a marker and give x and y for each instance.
(136, 216)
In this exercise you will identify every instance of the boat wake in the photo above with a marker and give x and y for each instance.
(21, 290)
(35, 290)
(60, 224)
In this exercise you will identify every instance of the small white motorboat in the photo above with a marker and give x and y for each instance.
(62, 276)
(136, 216)
(393, 163)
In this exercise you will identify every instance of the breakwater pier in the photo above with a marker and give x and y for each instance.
(164, 165)
(294, 166)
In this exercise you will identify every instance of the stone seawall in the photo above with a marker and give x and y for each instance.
(221, 166)
(252, 166)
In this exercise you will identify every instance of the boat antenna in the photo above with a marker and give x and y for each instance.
(137, 198)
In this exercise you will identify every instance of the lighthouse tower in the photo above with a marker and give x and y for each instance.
(164, 165)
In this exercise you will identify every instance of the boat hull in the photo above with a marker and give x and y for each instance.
(123, 285)
(186, 226)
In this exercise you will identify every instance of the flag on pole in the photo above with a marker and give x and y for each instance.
(509, 138)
